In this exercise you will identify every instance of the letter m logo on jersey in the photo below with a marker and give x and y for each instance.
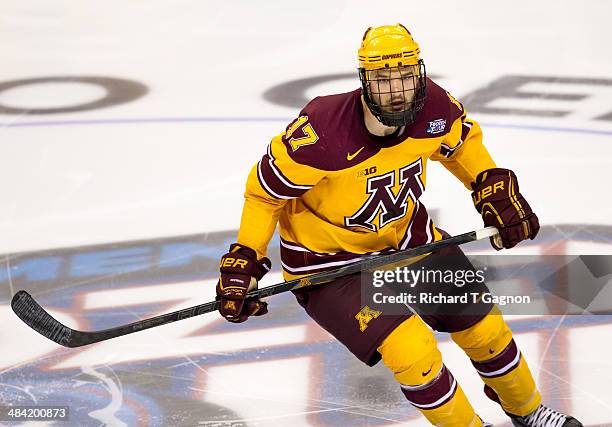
(383, 202)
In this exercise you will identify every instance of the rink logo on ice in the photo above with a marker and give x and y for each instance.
(188, 256)
(588, 100)
(437, 126)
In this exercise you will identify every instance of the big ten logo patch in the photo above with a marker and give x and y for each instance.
(363, 172)
(365, 316)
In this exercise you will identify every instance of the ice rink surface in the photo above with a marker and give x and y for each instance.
(127, 132)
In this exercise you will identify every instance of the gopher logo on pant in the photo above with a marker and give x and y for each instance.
(365, 315)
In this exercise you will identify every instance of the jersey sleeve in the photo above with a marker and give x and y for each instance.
(462, 151)
(276, 179)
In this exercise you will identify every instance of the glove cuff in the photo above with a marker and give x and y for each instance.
(491, 173)
(262, 266)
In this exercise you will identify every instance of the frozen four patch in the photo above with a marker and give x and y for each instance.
(436, 126)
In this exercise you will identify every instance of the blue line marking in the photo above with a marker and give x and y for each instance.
(152, 120)
(547, 128)
(144, 120)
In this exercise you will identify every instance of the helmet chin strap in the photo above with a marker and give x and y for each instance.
(373, 123)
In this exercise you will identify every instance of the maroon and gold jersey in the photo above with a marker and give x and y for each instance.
(338, 192)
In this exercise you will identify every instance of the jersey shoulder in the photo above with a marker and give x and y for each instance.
(323, 133)
(439, 113)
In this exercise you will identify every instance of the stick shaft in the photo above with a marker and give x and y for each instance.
(31, 313)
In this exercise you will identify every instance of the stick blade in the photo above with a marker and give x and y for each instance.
(33, 315)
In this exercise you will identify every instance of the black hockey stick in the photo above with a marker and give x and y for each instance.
(37, 318)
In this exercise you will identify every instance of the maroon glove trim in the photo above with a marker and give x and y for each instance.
(497, 198)
(238, 267)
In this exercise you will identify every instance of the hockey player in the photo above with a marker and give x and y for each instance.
(344, 180)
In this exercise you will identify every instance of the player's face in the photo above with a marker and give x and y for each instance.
(393, 89)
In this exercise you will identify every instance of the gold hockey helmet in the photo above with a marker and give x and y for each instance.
(392, 74)
(388, 46)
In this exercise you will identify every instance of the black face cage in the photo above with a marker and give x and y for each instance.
(408, 114)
